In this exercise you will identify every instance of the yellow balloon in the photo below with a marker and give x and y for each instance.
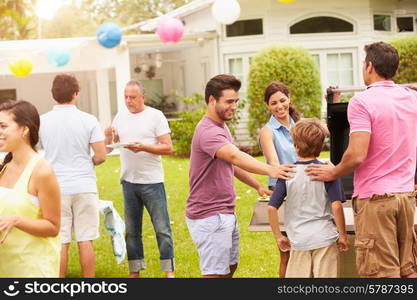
(21, 67)
(286, 1)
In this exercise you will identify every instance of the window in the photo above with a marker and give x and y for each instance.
(244, 28)
(153, 88)
(340, 69)
(405, 24)
(316, 59)
(337, 67)
(7, 94)
(239, 66)
(205, 72)
(321, 25)
(236, 67)
(382, 22)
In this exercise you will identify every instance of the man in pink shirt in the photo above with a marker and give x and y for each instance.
(214, 163)
(382, 153)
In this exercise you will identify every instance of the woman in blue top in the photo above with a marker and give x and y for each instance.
(275, 140)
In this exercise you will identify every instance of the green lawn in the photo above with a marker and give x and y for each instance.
(258, 253)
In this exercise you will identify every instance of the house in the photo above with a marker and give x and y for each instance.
(333, 31)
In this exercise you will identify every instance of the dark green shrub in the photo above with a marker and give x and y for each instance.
(182, 128)
(407, 49)
(160, 101)
(294, 67)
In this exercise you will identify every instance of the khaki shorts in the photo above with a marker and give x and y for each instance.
(79, 213)
(317, 263)
(385, 241)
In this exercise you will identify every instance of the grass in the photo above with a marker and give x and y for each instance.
(258, 252)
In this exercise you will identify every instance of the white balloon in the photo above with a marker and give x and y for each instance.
(226, 11)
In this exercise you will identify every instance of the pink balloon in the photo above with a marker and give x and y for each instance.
(170, 30)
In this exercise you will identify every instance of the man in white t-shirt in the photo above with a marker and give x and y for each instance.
(67, 134)
(147, 132)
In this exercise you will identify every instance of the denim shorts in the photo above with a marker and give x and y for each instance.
(217, 241)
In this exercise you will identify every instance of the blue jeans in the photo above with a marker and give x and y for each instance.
(152, 196)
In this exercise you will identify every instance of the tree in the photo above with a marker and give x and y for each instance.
(17, 19)
(128, 12)
(69, 21)
(292, 66)
(78, 18)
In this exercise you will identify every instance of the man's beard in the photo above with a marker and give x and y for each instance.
(222, 115)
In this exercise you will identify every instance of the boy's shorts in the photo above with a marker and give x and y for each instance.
(317, 263)
(217, 240)
(79, 213)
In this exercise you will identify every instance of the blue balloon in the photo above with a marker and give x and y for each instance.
(109, 35)
(58, 56)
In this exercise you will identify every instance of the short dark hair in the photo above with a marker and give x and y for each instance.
(63, 87)
(384, 58)
(308, 135)
(275, 87)
(216, 85)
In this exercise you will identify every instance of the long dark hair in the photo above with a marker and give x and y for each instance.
(276, 86)
(24, 114)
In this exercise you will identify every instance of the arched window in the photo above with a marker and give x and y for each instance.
(321, 25)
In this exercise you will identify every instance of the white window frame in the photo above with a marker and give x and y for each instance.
(322, 53)
(323, 63)
(205, 71)
(405, 16)
(321, 14)
(246, 37)
(245, 66)
(385, 14)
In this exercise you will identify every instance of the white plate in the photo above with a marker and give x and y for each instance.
(118, 145)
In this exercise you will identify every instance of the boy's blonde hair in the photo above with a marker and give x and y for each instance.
(308, 136)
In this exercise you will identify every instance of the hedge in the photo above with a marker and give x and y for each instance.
(407, 49)
(291, 65)
(182, 128)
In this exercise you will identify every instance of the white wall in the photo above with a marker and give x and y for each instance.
(36, 88)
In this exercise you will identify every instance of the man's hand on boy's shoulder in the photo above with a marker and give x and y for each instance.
(282, 171)
(319, 172)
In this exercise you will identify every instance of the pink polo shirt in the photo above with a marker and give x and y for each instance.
(389, 113)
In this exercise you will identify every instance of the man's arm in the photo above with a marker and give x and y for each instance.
(233, 155)
(100, 152)
(354, 155)
(110, 137)
(246, 178)
(163, 147)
